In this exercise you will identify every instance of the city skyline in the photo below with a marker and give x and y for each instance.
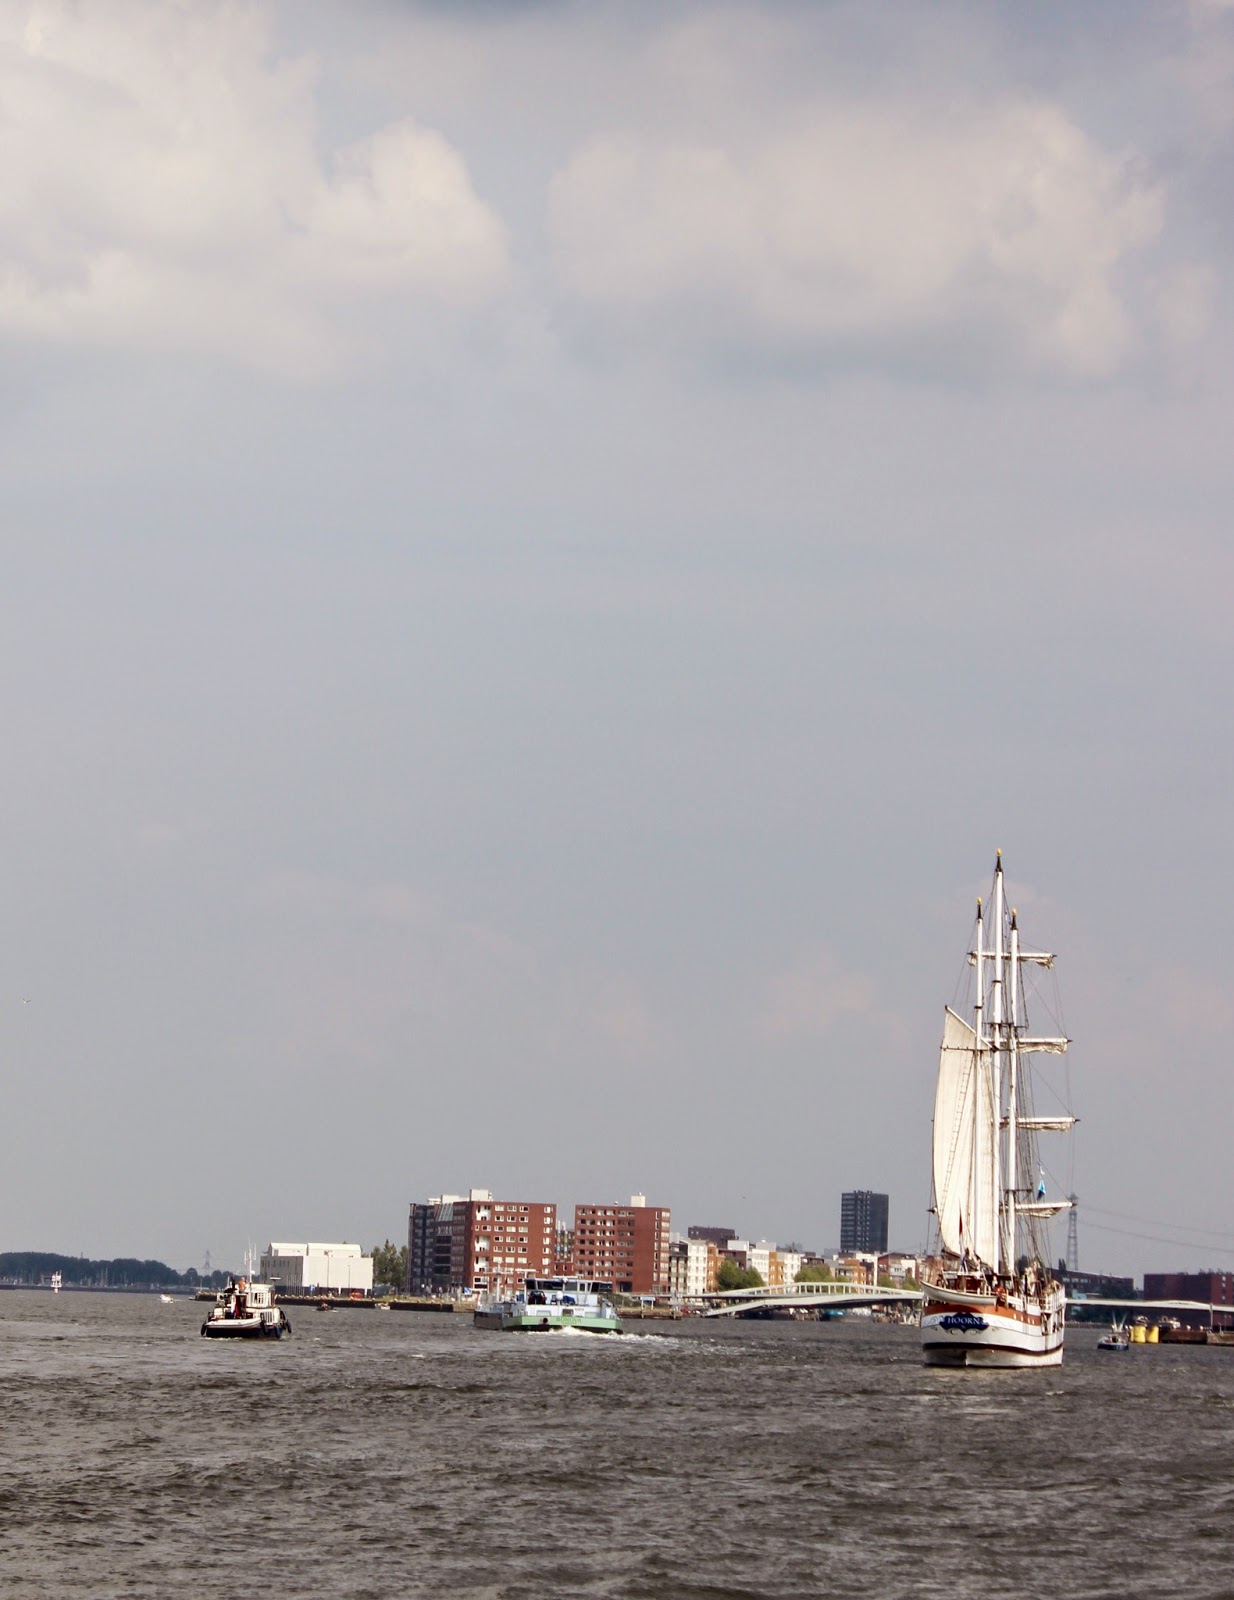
(822, 1244)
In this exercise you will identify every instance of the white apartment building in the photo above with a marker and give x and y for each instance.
(687, 1268)
(776, 1267)
(899, 1267)
(857, 1267)
(759, 1257)
(785, 1265)
(300, 1268)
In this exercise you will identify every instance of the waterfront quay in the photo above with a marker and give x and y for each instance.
(346, 1302)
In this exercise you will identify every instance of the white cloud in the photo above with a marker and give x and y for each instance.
(810, 998)
(868, 224)
(161, 187)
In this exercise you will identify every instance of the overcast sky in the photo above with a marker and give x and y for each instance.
(544, 548)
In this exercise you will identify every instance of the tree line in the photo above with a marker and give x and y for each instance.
(390, 1266)
(122, 1272)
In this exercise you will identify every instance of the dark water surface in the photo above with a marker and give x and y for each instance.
(408, 1454)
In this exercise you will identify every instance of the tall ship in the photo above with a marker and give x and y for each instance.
(989, 1297)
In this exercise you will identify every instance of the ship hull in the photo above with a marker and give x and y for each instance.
(962, 1329)
(542, 1320)
(241, 1328)
(548, 1304)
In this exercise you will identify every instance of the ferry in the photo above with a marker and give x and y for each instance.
(245, 1310)
(544, 1305)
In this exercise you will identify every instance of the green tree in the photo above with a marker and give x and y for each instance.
(815, 1272)
(730, 1276)
(390, 1265)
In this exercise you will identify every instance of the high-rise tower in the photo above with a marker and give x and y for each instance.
(863, 1221)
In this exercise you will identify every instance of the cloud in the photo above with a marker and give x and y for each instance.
(807, 1000)
(162, 188)
(863, 226)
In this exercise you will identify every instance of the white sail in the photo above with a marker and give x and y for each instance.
(1045, 1124)
(965, 1177)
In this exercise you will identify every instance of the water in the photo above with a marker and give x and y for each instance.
(410, 1455)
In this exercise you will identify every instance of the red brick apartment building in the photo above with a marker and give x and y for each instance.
(478, 1243)
(627, 1246)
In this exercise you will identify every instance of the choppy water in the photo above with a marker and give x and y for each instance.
(406, 1454)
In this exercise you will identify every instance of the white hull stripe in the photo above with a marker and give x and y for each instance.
(953, 1348)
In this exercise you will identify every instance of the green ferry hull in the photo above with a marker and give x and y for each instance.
(547, 1319)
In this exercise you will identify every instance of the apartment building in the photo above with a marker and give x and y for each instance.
(455, 1244)
(863, 1221)
(692, 1266)
(627, 1246)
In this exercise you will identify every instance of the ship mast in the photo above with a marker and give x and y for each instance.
(979, 1012)
(998, 1022)
(979, 1008)
(1013, 1062)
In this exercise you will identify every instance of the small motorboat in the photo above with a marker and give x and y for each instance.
(245, 1310)
(1117, 1339)
(167, 1300)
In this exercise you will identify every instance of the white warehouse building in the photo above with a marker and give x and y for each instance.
(308, 1267)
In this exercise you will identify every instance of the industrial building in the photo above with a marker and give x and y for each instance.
(456, 1243)
(863, 1222)
(1212, 1288)
(627, 1246)
(310, 1268)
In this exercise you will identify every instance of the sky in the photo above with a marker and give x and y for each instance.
(546, 545)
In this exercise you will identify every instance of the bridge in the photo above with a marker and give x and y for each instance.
(846, 1296)
(1081, 1302)
(810, 1296)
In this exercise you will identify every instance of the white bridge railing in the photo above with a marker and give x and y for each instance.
(839, 1296)
(842, 1296)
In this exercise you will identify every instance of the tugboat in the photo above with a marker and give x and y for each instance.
(245, 1310)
